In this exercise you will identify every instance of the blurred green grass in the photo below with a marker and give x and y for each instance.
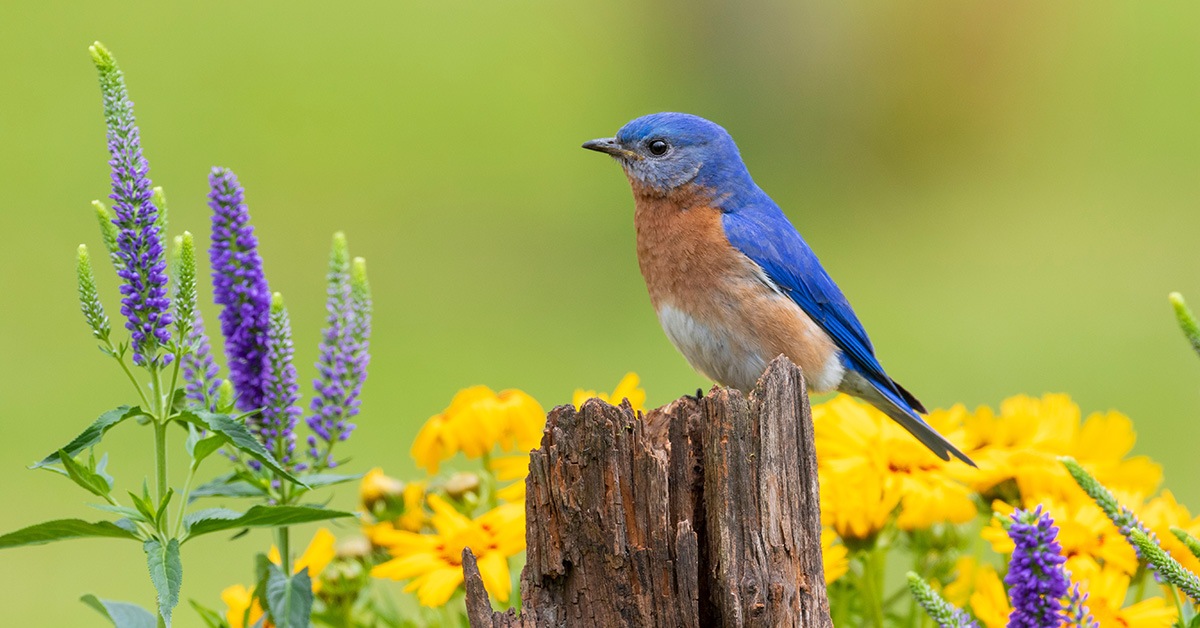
(1005, 192)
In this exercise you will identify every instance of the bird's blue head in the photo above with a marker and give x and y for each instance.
(664, 151)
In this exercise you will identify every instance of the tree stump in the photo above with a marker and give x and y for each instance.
(704, 512)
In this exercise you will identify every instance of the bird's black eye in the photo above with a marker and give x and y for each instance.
(658, 147)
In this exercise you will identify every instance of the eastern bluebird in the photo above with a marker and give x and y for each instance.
(733, 283)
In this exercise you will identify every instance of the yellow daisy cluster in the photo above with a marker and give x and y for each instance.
(627, 389)
(433, 562)
(477, 421)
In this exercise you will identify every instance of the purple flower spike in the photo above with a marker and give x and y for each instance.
(240, 286)
(199, 369)
(343, 354)
(277, 428)
(1036, 577)
(139, 248)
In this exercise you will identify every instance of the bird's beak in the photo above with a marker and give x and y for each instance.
(609, 145)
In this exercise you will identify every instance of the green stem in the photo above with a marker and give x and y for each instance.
(1141, 586)
(871, 589)
(489, 480)
(187, 489)
(281, 539)
(1178, 605)
(160, 458)
(170, 392)
(125, 367)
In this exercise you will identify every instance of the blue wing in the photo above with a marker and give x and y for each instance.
(763, 233)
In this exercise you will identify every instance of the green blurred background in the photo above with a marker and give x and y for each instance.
(1005, 191)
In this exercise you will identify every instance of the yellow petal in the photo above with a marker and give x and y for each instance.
(493, 568)
(439, 586)
(319, 554)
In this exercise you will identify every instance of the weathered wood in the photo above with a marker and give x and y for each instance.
(702, 513)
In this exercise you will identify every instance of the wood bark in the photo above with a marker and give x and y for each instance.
(704, 512)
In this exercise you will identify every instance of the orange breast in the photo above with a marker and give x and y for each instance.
(740, 320)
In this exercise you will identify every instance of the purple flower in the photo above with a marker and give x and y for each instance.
(277, 425)
(1077, 614)
(199, 369)
(343, 353)
(240, 286)
(1036, 577)
(139, 247)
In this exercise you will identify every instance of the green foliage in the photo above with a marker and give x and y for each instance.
(211, 618)
(217, 519)
(1187, 321)
(92, 434)
(89, 299)
(227, 486)
(63, 529)
(1190, 541)
(942, 612)
(121, 614)
(85, 475)
(237, 435)
(289, 599)
(166, 572)
(108, 229)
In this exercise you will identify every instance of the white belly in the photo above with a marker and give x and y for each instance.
(733, 359)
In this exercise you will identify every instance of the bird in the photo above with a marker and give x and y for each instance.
(733, 282)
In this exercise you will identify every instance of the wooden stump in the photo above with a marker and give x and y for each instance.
(702, 513)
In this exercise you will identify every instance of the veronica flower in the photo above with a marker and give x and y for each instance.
(139, 255)
(1036, 577)
(240, 286)
(89, 300)
(277, 427)
(199, 369)
(343, 353)
(943, 613)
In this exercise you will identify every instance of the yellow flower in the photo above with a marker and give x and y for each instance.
(857, 439)
(243, 610)
(1107, 588)
(857, 502)
(1022, 444)
(412, 518)
(833, 557)
(979, 587)
(434, 561)
(376, 487)
(477, 421)
(511, 468)
(626, 389)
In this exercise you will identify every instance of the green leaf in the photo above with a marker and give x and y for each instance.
(121, 614)
(226, 486)
(218, 519)
(93, 433)
(100, 470)
(318, 480)
(122, 510)
(144, 506)
(61, 530)
(237, 435)
(83, 476)
(290, 598)
(162, 507)
(211, 618)
(166, 572)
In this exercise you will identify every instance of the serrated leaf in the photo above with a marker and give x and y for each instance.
(290, 598)
(209, 513)
(83, 476)
(61, 530)
(211, 618)
(226, 486)
(166, 572)
(238, 436)
(262, 517)
(207, 447)
(121, 614)
(93, 433)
